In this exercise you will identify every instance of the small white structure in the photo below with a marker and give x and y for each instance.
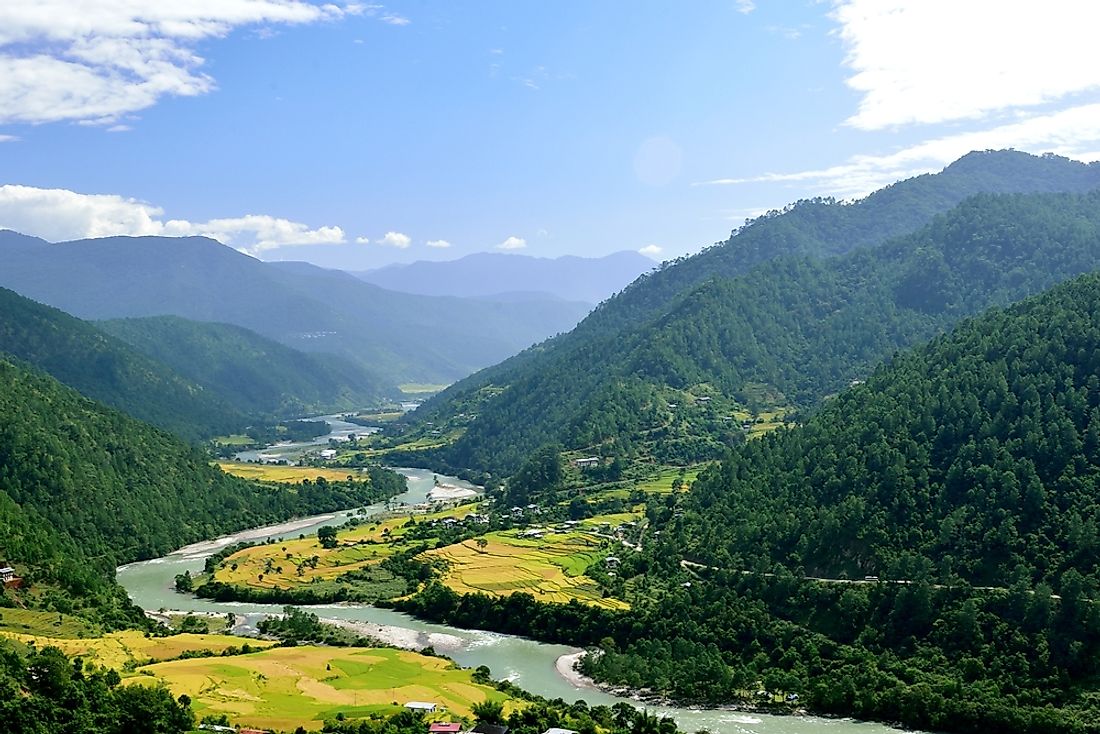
(587, 462)
(7, 573)
(556, 730)
(612, 561)
(328, 453)
(421, 706)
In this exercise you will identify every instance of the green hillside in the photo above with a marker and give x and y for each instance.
(84, 488)
(255, 375)
(923, 550)
(786, 334)
(108, 370)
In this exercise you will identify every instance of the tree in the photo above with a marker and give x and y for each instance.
(488, 712)
(327, 537)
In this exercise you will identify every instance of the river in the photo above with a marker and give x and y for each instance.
(528, 664)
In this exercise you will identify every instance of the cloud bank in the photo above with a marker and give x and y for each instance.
(941, 60)
(60, 214)
(96, 61)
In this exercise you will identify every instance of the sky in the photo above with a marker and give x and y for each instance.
(355, 134)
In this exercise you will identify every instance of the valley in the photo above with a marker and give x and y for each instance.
(835, 478)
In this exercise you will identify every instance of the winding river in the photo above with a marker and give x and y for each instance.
(529, 664)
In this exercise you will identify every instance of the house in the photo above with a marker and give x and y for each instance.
(444, 727)
(556, 730)
(253, 731)
(484, 728)
(328, 453)
(612, 561)
(587, 463)
(703, 399)
(7, 573)
(425, 706)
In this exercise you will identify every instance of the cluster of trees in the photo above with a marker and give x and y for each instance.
(788, 302)
(46, 692)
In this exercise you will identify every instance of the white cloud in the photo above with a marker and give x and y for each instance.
(513, 243)
(941, 60)
(394, 19)
(1074, 133)
(395, 239)
(97, 60)
(362, 240)
(744, 6)
(60, 214)
(651, 251)
(439, 244)
(8, 138)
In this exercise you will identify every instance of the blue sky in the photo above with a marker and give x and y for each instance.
(362, 133)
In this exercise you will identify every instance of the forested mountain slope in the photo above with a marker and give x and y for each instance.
(976, 457)
(965, 475)
(397, 336)
(106, 369)
(923, 550)
(254, 374)
(796, 327)
(84, 488)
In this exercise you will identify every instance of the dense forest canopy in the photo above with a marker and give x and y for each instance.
(107, 369)
(800, 327)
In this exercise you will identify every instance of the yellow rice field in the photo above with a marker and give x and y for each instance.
(288, 474)
(550, 568)
(117, 649)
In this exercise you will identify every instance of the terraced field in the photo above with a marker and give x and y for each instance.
(276, 566)
(288, 474)
(120, 650)
(283, 688)
(551, 568)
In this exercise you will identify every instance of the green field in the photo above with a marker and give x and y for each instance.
(44, 624)
(286, 687)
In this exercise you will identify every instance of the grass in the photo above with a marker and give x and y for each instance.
(551, 568)
(120, 650)
(288, 474)
(283, 688)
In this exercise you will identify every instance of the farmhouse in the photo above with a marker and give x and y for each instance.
(587, 463)
(444, 727)
(612, 561)
(328, 453)
(8, 579)
(426, 706)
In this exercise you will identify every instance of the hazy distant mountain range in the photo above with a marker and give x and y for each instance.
(493, 274)
(398, 337)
